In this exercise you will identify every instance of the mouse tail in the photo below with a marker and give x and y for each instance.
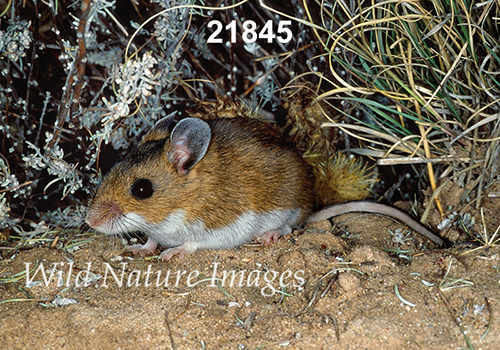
(376, 208)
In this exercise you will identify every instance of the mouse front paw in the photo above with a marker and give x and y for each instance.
(143, 249)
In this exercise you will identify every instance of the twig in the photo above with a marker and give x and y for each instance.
(169, 331)
(29, 82)
(456, 319)
(27, 183)
(490, 322)
(185, 310)
(70, 100)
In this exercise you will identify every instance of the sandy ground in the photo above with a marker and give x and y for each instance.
(342, 285)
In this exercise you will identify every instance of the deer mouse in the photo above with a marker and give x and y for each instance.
(214, 184)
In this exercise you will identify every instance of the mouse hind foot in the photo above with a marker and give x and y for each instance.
(182, 250)
(268, 237)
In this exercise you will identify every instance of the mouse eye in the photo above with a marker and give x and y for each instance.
(142, 189)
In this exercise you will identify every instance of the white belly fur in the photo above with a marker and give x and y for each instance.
(174, 231)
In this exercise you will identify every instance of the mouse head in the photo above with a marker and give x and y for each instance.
(147, 182)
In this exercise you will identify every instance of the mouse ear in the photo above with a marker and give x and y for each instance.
(160, 130)
(190, 139)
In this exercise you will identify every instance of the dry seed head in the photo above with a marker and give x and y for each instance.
(305, 117)
(341, 179)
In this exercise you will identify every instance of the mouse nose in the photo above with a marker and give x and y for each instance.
(100, 214)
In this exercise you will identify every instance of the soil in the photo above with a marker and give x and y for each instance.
(342, 291)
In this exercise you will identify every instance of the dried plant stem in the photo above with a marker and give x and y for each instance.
(70, 100)
(430, 169)
(33, 56)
